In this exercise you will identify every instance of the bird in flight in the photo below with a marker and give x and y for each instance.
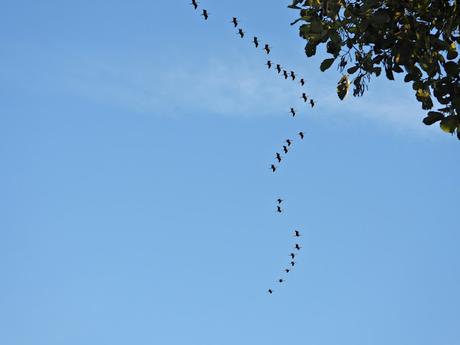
(302, 82)
(287, 270)
(270, 291)
(269, 64)
(285, 149)
(305, 97)
(293, 112)
(289, 142)
(302, 135)
(292, 256)
(194, 4)
(279, 201)
(297, 246)
(312, 103)
(281, 280)
(273, 167)
(296, 233)
(292, 263)
(292, 75)
(256, 42)
(235, 21)
(205, 14)
(285, 74)
(241, 33)
(267, 49)
(278, 209)
(278, 157)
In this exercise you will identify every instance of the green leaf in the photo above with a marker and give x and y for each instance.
(449, 124)
(353, 69)
(389, 73)
(310, 49)
(451, 68)
(326, 64)
(342, 87)
(433, 117)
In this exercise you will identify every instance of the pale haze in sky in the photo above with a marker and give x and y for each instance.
(137, 203)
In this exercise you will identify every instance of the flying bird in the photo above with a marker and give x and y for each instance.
(296, 233)
(292, 75)
(301, 135)
(312, 103)
(297, 246)
(287, 270)
(194, 4)
(273, 167)
(292, 255)
(305, 97)
(281, 280)
(279, 201)
(270, 291)
(278, 209)
(285, 74)
(241, 33)
(267, 49)
(289, 142)
(234, 21)
(293, 112)
(278, 68)
(285, 149)
(269, 64)
(278, 157)
(256, 42)
(205, 14)
(292, 263)
(302, 82)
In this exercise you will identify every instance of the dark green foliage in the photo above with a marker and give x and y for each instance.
(384, 37)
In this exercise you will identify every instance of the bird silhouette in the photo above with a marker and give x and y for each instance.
(234, 21)
(296, 233)
(292, 255)
(278, 209)
(302, 82)
(270, 291)
(293, 112)
(278, 157)
(305, 97)
(292, 75)
(289, 142)
(301, 135)
(312, 103)
(241, 33)
(281, 280)
(285, 74)
(205, 14)
(194, 3)
(292, 263)
(278, 68)
(273, 167)
(256, 42)
(267, 49)
(269, 64)
(297, 246)
(279, 201)
(287, 270)
(285, 149)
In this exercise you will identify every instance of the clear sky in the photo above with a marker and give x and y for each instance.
(137, 205)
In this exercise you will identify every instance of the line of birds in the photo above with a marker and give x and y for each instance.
(288, 142)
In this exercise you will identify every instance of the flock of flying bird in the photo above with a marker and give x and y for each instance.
(287, 75)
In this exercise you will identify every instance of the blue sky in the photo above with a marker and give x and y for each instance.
(137, 205)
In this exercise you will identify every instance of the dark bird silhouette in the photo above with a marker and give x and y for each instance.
(267, 49)
(292, 255)
(205, 14)
(285, 74)
(269, 64)
(293, 112)
(302, 82)
(301, 135)
(278, 157)
(305, 97)
(292, 263)
(281, 280)
(296, 233)
(279, 201)
(297, 246)
(312, 103)
(235, 21)
(270, 291)
(292, 75)
(256, 42)
(194, 4)
(241, 33)
(287, 270)
(278, 68)
(285, 149)
(273, 167)
(289, 142)
(278, 209)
